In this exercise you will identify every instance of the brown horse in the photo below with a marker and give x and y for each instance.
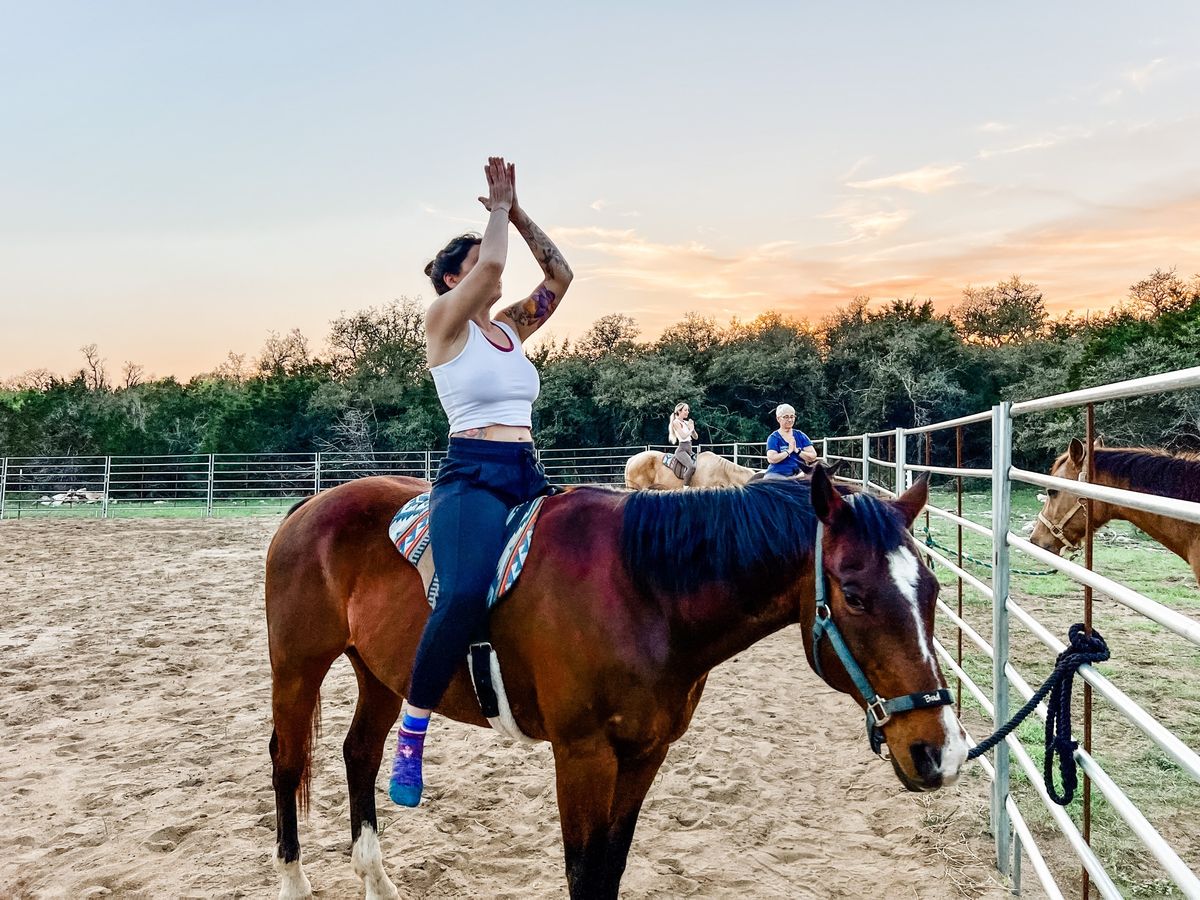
(626, 602)
(645, 470)
(1062, 523)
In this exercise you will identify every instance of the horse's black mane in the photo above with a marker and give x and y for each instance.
(1152, 471)
(675, 541)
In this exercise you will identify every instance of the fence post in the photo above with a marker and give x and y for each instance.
(107, 483)
(866, 463)
(736, 461)
(317, 474)
(1001, 511)
(3, 483)
(1016, 863)
(429, 465)
(208, 498)
(901, 462)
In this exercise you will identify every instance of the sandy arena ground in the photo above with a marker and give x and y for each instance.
(134, 719)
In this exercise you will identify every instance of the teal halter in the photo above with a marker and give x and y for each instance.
(879, 710)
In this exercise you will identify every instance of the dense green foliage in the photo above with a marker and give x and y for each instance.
(867, 367)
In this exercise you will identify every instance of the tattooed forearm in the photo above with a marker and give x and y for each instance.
(544, 251)
(535, 309)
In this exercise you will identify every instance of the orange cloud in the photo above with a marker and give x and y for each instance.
(1083, 262)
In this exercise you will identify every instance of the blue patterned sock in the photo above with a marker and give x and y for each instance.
(407, 784)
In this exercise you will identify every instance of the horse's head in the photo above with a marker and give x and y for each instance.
(1062, 522)
(880, 598)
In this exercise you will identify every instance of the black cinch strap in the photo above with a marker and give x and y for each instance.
(481, 675)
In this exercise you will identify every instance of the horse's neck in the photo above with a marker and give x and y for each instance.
(735, 473)
(716, 623)
(1176, 536)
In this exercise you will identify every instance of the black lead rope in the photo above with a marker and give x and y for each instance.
(1084, 649)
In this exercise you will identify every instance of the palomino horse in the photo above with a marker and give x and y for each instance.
(626, 602)
(646, 470)
(1062, 523)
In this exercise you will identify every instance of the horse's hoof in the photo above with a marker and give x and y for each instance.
(293, 883)
(367, 860)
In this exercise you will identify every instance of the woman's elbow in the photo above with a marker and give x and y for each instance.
(489, 266)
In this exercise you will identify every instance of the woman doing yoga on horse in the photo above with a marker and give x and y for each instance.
(682, 431)
(487, 388)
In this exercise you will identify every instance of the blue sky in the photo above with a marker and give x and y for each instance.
(178, 179)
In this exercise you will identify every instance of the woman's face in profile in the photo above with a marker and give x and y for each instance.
(468, 264)
(683, 412)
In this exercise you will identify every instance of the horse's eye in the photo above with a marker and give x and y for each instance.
(855, 601)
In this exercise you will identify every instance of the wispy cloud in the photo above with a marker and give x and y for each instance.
(1081, 261)
(431, 210)
(993, 128)
(598, 205)
(925, 180)
(1041, 142)
(865, 221)
(1141, 77)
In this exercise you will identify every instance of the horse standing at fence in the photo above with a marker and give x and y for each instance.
(646, 471)
(1063, 521)
(626, 602)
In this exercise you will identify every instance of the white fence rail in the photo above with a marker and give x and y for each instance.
(230, 483)
(1009, 827)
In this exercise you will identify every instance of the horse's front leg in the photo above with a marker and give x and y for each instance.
(586, 777)
(634, 777)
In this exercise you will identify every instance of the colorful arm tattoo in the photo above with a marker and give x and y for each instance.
(535, 309)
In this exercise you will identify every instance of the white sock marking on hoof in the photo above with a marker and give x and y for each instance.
(293, 883)
(367, 860)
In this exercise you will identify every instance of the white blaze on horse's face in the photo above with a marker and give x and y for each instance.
(905, 570)
(902, 564)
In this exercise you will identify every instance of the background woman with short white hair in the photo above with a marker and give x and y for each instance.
(788, 447)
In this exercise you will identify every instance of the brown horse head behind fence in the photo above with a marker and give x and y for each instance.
(1062, 522)
(626, 602)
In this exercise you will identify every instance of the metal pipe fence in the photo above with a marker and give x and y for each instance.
(885, 463)
(247, 483)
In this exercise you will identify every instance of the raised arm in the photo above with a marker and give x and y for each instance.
(528, 315)
(476, 290)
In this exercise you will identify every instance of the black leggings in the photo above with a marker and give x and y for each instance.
(477, 485)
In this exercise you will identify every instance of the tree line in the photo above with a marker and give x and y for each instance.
(867, 367)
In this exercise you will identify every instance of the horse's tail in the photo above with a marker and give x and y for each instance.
(299, 503)
(314, 732)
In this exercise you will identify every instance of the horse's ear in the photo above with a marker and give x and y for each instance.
(826, 501)
(1099, 441)
(912, 501)
(1076, 452)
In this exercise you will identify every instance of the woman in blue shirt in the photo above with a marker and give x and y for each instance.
(788, 447)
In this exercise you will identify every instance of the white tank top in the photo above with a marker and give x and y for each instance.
(486, 384)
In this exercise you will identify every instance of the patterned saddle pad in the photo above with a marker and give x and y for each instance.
(409, 531)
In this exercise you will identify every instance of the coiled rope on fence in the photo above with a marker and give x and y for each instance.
(1084, 649)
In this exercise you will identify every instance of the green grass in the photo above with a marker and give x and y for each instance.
(1154, 667)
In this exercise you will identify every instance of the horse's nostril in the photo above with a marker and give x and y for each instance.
(927, 759)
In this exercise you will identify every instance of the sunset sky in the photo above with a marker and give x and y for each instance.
(178, 179)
